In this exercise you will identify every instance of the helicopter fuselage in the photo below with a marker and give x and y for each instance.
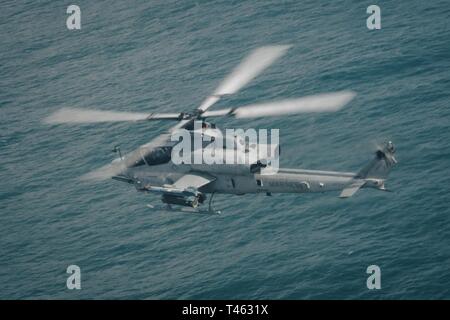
(186, 184)
(239, 180)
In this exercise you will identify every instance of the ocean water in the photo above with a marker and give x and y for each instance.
(152, 56)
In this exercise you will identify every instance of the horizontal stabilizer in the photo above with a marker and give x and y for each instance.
(352, 188)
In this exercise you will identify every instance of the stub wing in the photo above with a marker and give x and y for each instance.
(192, 180)
(183, 192)
(186, 185)
(352, 188)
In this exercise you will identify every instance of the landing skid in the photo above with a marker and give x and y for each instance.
(182, 209)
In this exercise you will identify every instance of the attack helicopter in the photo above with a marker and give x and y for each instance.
(150, 168)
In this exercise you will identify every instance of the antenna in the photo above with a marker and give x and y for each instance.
(117, 150)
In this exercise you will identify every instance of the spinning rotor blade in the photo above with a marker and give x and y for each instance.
(75, 115)
(327, 102)
(106, 172)
(117, 167)
(255, 63)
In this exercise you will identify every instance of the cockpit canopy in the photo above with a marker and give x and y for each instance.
(159, 155)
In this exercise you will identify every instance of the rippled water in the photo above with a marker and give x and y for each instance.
(169, 55)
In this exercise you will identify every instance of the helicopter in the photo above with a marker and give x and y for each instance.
(150, 168)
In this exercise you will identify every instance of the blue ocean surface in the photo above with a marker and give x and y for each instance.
(159, 56)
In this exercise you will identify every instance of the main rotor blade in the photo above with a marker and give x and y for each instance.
(118, 167)
(255, 63)
(76, 115)
(106, 172)
(327, 102)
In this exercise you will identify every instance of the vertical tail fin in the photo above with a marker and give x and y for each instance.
(381, 165)
(374, 173)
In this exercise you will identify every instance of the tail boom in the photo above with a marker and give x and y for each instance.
(373, 175)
